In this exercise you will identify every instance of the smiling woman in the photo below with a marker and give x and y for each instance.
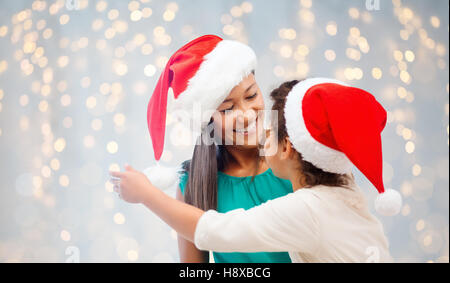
(238, 120)
(226, 171)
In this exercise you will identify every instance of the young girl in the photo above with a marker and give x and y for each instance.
(324, 126)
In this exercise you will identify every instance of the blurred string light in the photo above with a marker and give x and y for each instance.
(233, 25)
(70, 121)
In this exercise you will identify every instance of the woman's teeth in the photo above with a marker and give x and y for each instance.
(250, 129)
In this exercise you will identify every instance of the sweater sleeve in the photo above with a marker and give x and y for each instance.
(279, 225)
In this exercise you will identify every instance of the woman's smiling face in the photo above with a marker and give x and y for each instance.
(239, 119)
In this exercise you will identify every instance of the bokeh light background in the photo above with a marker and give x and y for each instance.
(76, 77)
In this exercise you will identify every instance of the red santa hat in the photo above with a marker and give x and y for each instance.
(335, 126)
(202, 72)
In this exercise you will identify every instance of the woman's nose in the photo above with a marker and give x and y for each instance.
(245, 117)
(241, 120)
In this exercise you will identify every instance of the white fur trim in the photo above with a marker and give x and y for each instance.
(319, 155)
(222, 69)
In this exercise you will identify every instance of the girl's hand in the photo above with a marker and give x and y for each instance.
(133, 186)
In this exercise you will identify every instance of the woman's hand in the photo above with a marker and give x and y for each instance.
(132, 186)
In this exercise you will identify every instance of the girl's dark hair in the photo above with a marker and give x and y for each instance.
(313, 176)
(207, 159)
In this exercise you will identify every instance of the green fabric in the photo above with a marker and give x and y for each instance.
(242, 192)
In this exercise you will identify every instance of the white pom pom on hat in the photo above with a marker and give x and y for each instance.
(388, 203)
(162, 177)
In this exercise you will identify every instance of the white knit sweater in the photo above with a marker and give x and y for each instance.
(320, 224)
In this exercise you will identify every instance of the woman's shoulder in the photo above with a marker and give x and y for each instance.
(183, 174)
(274, 180)
(271, 185)
(267, 178)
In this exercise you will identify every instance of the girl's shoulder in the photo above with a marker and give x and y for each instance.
(350, 195)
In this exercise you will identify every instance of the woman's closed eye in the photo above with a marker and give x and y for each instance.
(228, 110)
(253, 96)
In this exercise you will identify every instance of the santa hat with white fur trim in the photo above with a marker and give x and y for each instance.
(335, 126)
(202, 72)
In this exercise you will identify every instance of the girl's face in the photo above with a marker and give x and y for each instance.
(273, 155)
(239, 119)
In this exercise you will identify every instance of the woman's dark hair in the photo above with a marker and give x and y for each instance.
(313, 176)
(201, 187)
(208, 158)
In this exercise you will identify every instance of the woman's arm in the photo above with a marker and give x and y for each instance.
(188, 252)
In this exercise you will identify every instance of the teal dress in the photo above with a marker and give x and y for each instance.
(242, 192)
